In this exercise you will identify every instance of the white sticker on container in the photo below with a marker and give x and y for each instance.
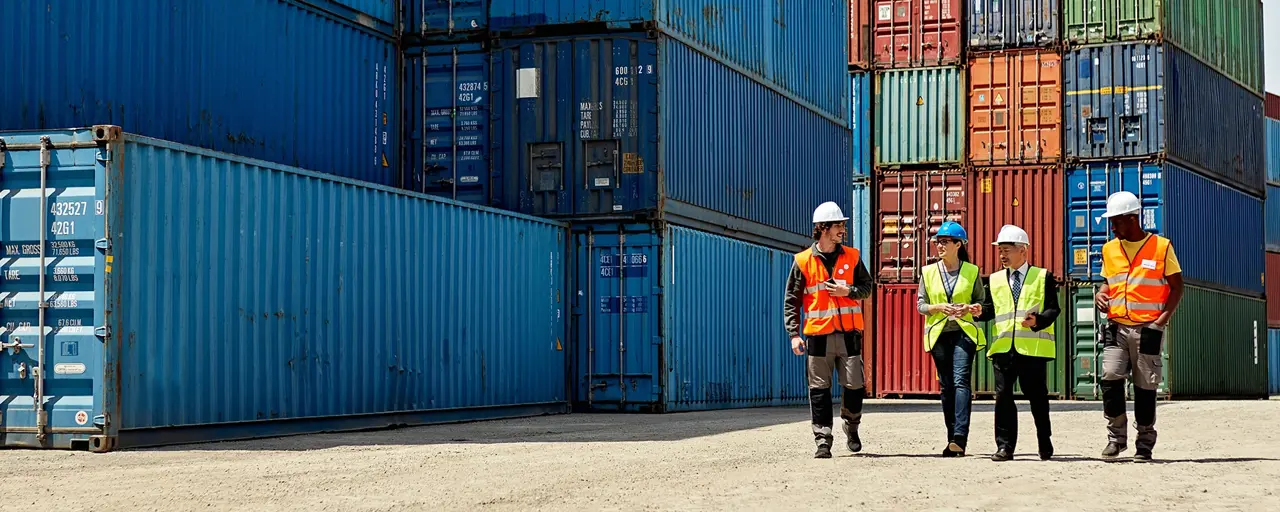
(885, 13)
(603, 182)
(1084, 315)
(617, 207)
(527, 83)
(68, 368)
(469, 179)
(82, 417)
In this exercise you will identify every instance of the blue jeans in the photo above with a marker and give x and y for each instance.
(953, 356)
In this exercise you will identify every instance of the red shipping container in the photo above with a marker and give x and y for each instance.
(1027, 197)
(902, 365)
(869, 345)
(912, 206)
(1015, 108)
(917, 33)
(860, 35)
(1272, 106)
(1272, 280)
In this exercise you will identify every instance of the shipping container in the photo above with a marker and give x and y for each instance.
(1087, 331)
(1273, 289)
(182, 295)
(911, 208)
(611, 126)
(860, 38)
(646, 339)
(859, 224)
(1001, 24)
(446, 113)
(288, 84)
(382, 11)
(861, 100)
(1272, 144)
(1146, 100)
(1214, 345)
(1273, 361)
(433, 19)
(1225, 34)
(917, 33)
(792, 47)
(1015, 108)
(1057, 371)
(1174, 205)
(1272, 106)
(1027, 197)
(919, 117)
(902, 367)
(1272, 216)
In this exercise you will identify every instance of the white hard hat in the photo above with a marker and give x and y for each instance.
(1010, 234)
(828, 212)
(1122, 203)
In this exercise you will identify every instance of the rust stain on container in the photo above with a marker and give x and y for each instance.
(1015, 108)
(902, 365)
(916, 33)
(1029, 197)
(912, 206)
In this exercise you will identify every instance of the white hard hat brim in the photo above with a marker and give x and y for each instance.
(1133, 211)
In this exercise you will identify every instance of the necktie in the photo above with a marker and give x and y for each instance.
(1017, 285)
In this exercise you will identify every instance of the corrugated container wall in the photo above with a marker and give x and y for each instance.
(919, 117)
(1139, 100)
(861, 100)
(1273, 289)
(1272, 216)
(1235, 363)
(435, 18)
(794, 47)
(912, 206)
(1001, 24)
(1015, 108)
(1174, 205)
(648, 341)
(1273, 361)
(1272, 106)
(1028, 197)
(1226, 34)
(322, 93)
(860, 222)
(446, 113)
(587, 126)
(860, 38)
(276, 271)
(381, 10)
(903, 368)
(917, 33)
(1273, 150)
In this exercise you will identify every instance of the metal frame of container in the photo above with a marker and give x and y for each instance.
(936, 26)
(1029, 23)
(193, 296)
(911, 206)
(1015, 108)
(1030, 197)
(919, 116)
(289, 83)
(1272, 150)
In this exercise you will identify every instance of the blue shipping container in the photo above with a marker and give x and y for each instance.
(859, 224)
(650, 341)
(1174, 205)
(999, 24)
(1143, 100)
(1272, 215)
(235, 298)
(1273, 150)
(446, 112)
(382, 12)
(798, 48)
(266, 79)
(446, 17)
(621, 125)
(861, 99)
(1273, 361)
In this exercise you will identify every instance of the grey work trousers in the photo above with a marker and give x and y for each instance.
(1131, 351)
(841, 354)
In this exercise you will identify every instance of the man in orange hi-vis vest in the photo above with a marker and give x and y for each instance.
(828, 283)
(1144, 285)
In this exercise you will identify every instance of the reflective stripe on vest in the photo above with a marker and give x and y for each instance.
(824, 314)
(1138, 292)
(1007, 330)
(935, 290)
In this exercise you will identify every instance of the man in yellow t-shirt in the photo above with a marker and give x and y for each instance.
(1143, 288)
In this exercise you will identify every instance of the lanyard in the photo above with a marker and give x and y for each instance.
(949, 289)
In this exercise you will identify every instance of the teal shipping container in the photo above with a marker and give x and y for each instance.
(861, 101)
(155, 293)
(918, 117)
(1273, 361)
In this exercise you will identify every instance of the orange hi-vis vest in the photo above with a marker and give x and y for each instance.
(1139, 290)
(825, 314)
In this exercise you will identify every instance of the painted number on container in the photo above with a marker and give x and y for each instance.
(613, 266)
(624, 305)
(468, 92)
(76, 208)
(63, 228)
(66, 301)
(65, 274)
(63, 248)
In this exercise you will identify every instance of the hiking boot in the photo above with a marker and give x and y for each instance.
(1113, 450)
(852, 440)
(824, 452)
(1142, 456)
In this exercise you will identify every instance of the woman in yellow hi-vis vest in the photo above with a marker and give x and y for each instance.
(950, 295)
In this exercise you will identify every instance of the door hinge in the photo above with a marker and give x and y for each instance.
(103, 332)
(103, 244)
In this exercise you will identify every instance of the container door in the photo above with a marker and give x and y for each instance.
(449, 17)
(52, 277)
(450, 101)
(1087, 343)
(1088, 187)
(619, 304)
(600, 168)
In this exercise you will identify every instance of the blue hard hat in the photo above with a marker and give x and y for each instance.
(953, 230)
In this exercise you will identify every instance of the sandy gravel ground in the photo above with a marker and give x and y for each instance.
(1211, 456)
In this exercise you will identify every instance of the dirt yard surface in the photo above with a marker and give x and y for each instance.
(1211, 455)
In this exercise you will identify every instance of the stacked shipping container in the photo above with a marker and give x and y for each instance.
(1272, 236)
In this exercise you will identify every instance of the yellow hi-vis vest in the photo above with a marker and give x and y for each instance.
(936, 290)
(1007, 330)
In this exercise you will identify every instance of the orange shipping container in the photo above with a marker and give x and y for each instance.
(1015, 108)
(860, 35)
(1028, 197)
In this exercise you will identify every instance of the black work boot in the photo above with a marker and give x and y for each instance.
(957, 446)
(1114, 450)
(1046, 448)
(824, 448)
(1142, 455)
(851, 438)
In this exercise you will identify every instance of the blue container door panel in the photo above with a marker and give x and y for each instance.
(1087, 190)
(1272, 215)
(449, 112)
(1114, 101)
(446, 16)
(860, 102)
(61, 222)
(859, 223)
(619, 350)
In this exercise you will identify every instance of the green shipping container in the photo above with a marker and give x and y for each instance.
(919, 117)
(984, 376)
(1225, 34)
(1215, 346)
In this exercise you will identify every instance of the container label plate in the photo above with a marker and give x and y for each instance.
(69, 368)
(624, 305)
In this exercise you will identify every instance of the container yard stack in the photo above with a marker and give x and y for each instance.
(1272, 215)
(679, 151)
(1168, 105)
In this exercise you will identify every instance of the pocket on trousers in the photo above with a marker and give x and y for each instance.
(1149, 341)
(817, 346)
(1109, 334)
(853, 343)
